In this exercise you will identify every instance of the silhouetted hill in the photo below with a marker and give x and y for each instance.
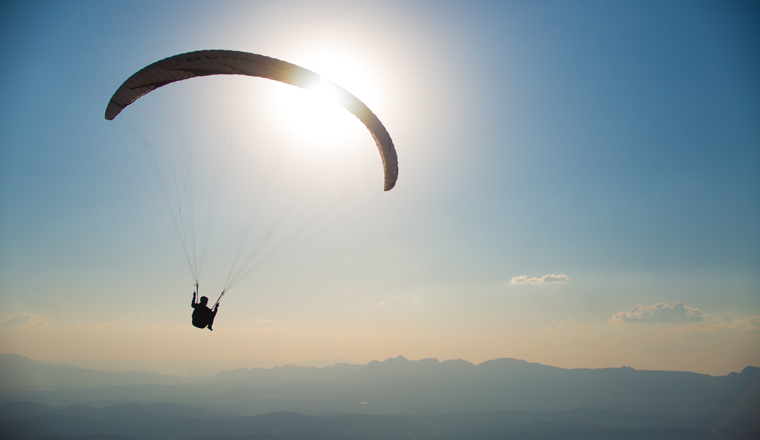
(89, 437)
(586, 423)
(396, 385)
(22, 410)
(428, 386)
(242, 378)
(18, 372)
(632, 434)
(124, 411)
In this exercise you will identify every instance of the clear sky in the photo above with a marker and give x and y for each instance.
(579, 185)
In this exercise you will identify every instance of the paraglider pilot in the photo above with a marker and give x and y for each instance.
(203, 316)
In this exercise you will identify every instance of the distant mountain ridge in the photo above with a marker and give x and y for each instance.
(19, 372)
(396, 385)
(187, 368)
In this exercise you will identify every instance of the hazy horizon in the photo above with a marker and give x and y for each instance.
(210, 367)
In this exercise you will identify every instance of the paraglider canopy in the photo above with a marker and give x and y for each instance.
(227, 62)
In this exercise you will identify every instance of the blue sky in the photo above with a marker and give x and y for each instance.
(617, 144)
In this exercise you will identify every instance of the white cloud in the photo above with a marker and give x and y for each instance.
(553, 326)
(546, 279)
(260, 321)
(661, 313)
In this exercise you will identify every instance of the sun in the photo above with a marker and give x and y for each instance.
(315, 114)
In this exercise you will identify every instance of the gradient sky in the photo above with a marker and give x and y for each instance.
(579, 186)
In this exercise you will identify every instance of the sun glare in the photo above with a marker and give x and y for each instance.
(316, 114)
(325, 92)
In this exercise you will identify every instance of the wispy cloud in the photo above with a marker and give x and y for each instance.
(750, 325)
(260, 321)
(713, 326)
(697, 323)
(399, 300)
(21, 319)
(49, 307)
(661, 313)
(564, 325)
(546, 279)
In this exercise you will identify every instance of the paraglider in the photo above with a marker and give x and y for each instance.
(228, 62)
(179, 208)
(203, 316)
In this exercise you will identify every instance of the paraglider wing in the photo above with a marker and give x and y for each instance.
(227, 62)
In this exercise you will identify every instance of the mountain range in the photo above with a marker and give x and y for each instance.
(393, 386)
